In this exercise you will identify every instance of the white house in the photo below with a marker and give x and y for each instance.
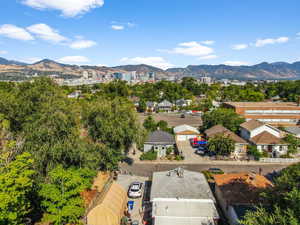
(265, 137)
(182, 197)
(185, 132)
(159, 141)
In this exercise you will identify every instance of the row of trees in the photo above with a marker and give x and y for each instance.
(52, 146)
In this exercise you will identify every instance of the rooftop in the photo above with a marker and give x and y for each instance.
(184, 212)
(219, 129)
(185, 127)
(266, 138)
(160, 137)
(192, 185)
(263, 104)
(293, 130)
(252, 124)
(241, 188)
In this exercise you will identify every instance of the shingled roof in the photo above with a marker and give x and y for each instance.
(219, 129)
(160, 137)
(252, 124)
(266, 138)
(241, 188)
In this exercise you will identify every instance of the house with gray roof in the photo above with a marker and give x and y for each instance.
(182, 197)
(165, 105)
(159, 141)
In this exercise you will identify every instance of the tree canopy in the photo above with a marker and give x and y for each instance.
(222, 116)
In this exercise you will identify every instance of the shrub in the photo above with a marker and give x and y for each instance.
(254, 152)
(151, 155)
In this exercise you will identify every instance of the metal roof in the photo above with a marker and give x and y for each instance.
(184, 212)
(192, 185)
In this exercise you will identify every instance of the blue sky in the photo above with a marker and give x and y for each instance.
(163, 33)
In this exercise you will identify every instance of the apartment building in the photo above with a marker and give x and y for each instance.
(274, 113)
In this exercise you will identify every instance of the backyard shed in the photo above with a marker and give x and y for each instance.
(109, 207)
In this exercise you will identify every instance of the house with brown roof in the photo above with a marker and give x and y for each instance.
(265, 137)
(240, 150)
(238, 193)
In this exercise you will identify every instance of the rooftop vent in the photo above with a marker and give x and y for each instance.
(178, 172)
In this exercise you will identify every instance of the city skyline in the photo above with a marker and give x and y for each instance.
(162, 34)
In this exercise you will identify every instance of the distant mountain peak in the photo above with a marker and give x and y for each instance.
(45, 61)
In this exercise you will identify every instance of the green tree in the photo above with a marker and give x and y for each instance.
(221, 145)
(282, 201)
(226, 117)
(150, 124)
(293, 142)
(142, 106)
(61, 200)
(16, 188)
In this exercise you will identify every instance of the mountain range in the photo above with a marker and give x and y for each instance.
(14, 70)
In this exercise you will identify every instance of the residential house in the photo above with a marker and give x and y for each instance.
(159, 141)
(293, 131)
(240, 149)
(185, 132)
(150, 106)
(238, 193)
(265, 137)
(165, 105)
(182, 197)
(183, 102)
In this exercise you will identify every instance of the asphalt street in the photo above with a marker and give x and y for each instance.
(146, 169)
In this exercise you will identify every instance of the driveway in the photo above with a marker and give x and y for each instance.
(125, 181)
(188, 152)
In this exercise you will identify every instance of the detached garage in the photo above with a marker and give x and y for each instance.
(185, 132)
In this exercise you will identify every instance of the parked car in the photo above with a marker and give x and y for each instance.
(215, 171)
(135, 190)
(135, 222)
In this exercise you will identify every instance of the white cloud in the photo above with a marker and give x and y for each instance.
(208, 42)
(81, 44)
(153, 61)
(191, 49)
(235, 63)
(74, 59)
(208, 57)
(12, 31)
(69, 8)
(268, 41)
(2, 52)
(46, 33)
(117, 27)
(240, 46)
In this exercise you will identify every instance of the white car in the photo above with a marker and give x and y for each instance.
(135, 190)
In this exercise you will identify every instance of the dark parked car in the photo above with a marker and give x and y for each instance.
(215, 170)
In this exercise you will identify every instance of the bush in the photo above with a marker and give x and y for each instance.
(151, 155)
(254, 152)
(179, 157)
